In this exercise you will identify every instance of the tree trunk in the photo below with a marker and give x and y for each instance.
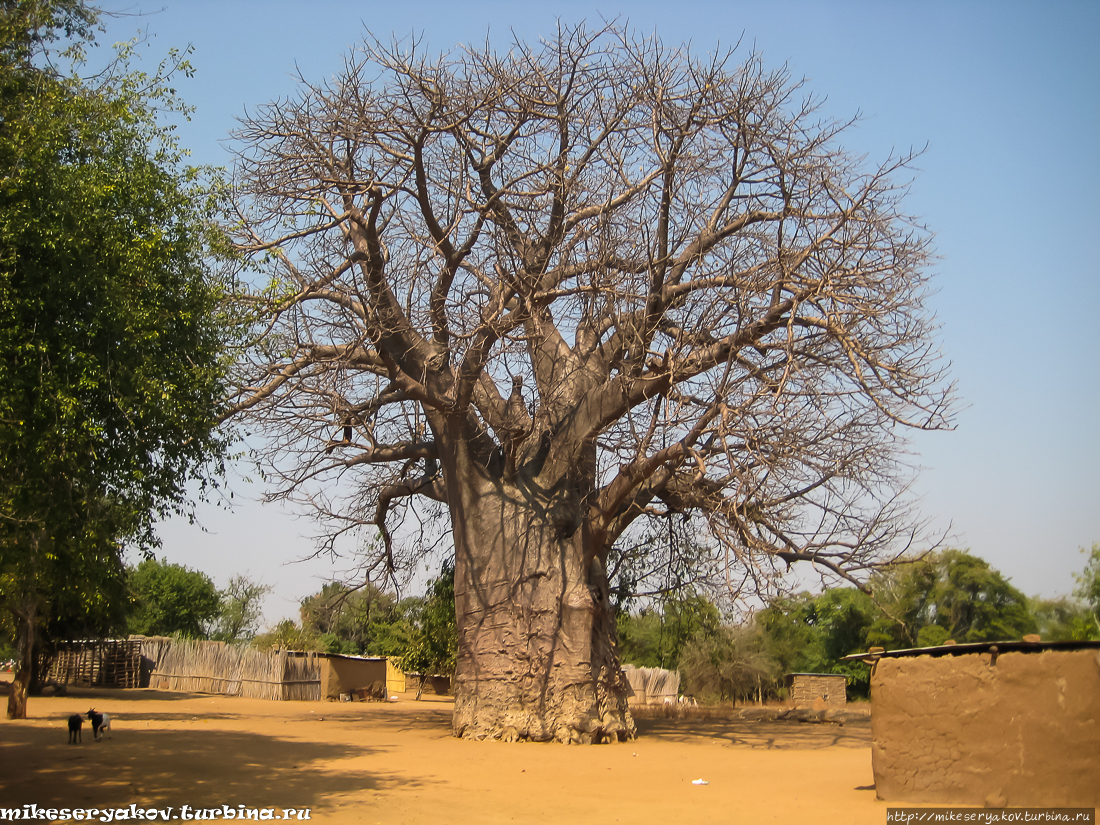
(537, 657)
(24, 673)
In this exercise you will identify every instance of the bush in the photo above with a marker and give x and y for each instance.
(729, 663)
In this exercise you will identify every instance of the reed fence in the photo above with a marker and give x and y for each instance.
(652, 684)
(238, 670)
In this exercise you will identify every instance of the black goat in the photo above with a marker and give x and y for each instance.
(100, 723)
(75, 724)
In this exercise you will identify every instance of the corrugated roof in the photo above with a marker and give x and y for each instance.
(352, 656)
(1015, 645)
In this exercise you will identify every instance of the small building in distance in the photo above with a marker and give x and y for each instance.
(816, 690)
(652, 685)
(341, 674)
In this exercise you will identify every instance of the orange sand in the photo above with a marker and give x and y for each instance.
(398, 763)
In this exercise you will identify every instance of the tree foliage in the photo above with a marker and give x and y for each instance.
(920, 603)
(732, 663)
(171, 599)
(811, 633)
(110, 345)
(240, 610)
(288, 635)
(433, 646)
(656, 635)
(361, 621)
(1088, 583)
(951, 595)
(1063, 619)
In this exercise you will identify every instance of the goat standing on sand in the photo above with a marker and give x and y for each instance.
(75, 724)
(100, 723)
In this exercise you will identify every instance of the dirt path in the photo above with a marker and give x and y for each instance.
(398, 763)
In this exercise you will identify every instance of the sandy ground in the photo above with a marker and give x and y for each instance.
(397, 763)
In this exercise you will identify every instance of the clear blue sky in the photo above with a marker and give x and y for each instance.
(1005, 95)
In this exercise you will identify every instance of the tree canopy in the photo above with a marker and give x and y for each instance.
(111, 369)
(1088, 582)
(951, 595)
(656, 635)
(358, 620)
(917, 603)
(171, 598)
(432, 649)
(574, 292)
(240, 610)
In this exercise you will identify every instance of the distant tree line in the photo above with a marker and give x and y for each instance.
(151, 598)
(418, 631)
(951, 595)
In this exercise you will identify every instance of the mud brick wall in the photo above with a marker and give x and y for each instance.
(1015, 730)
(804, 689)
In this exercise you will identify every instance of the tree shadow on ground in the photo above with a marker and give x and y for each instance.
(379, 717)
(113, 695)
(781, 735)
(158, 768)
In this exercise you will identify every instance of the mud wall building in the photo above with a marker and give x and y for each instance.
(350, 674)
(805, 690)
(1002, 725)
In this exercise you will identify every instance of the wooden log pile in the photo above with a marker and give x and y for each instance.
(110, 663)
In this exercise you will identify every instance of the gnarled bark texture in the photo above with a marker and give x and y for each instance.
(537, 657)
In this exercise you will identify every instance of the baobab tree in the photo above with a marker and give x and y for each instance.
(567, 291)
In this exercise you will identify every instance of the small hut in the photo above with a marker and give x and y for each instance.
(342, 675)
(1000, 724)
(807, 690)
(651, 685)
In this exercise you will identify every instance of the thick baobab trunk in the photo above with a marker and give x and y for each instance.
(537, 657)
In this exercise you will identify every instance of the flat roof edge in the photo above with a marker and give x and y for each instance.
(1012, 645)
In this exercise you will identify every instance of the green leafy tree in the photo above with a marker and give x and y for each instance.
(288, 635)
(433, 648)
(1088, 588)
(732, 663)
(812, 633)
(110, 339)
(656, 636)
(789, 625)
(1063, 619)
(641, 639)
(949, 595)
(240, 610)
(171, 599)
(923, 603)
(1077, 617)
(364, 620)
